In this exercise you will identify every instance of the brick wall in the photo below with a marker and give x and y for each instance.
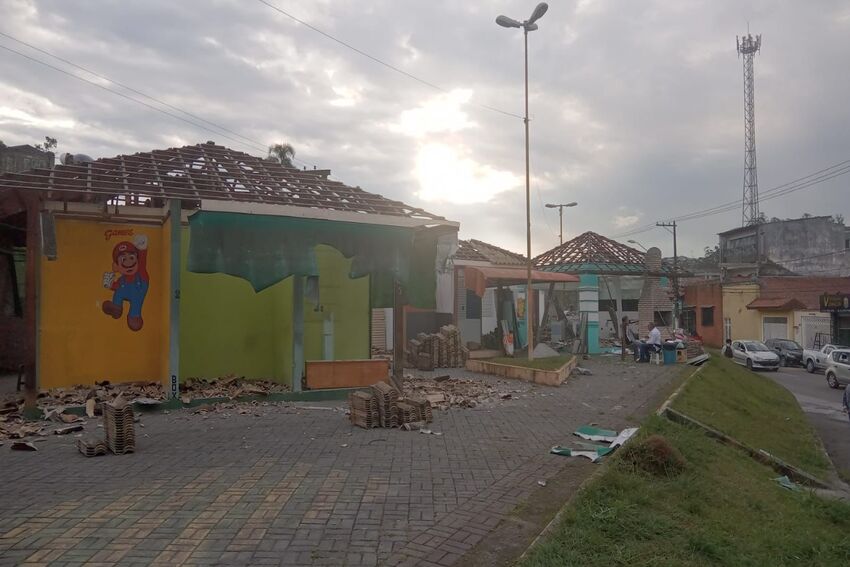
(653, 297)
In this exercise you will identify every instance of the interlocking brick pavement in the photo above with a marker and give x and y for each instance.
(298, 486)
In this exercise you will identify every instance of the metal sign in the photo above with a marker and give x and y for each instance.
(835, 302)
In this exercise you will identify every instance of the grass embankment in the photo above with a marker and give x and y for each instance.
(753, 409)
(722, 509)
(553, 363)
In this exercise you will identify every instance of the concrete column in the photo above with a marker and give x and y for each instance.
(297, 332)
(588, 301)
(175, 226)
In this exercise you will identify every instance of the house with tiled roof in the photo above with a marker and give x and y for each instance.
(616, 280)
(800, 308)
(490, 286)
(203, 261)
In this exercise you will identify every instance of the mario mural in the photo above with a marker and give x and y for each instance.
(128, 281)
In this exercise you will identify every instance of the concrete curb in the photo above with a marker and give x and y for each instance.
(543, 377)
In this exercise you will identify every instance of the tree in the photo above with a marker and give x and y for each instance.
(282, 154)
(48, 145)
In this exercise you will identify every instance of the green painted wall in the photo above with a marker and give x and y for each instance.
(227, 328)
(348, 300)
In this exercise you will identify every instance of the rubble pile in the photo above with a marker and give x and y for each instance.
(105, 391)
(437, 350)
(443, 392)
(229, 387)
(382, 406)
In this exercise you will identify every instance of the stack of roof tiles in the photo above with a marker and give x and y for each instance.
(380, 406)
(91, 447)
(438, 350)
(364, 409)
(119, 427)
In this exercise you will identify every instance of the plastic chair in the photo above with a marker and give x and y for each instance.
(655, 357)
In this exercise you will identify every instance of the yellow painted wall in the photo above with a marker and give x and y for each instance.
(78, 342)
(746, 323)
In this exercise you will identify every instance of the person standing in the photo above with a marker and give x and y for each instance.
(727, 349)
(847, 400)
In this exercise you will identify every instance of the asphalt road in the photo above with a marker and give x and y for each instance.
(824, 409)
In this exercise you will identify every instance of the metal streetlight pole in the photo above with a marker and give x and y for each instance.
(527, 26)
(638, 243)
(560, 217)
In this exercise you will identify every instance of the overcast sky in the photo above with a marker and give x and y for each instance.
(636, 106)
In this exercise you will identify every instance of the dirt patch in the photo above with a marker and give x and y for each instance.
(654, 455)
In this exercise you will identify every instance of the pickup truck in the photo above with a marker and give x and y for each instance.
(815, 360)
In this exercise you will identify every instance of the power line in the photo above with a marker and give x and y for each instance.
(831, 172)
(379, 61)
(251, 143)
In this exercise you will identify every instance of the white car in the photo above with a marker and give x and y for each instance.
(815, 360)
(754, 355)
(838, 368)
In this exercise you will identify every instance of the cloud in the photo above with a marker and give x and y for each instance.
(638, 106)
(445, 175)
(442, 113)
(622, 221)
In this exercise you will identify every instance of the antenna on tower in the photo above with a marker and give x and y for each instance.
(748, 46)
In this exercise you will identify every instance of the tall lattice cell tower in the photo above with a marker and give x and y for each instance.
(748, 46)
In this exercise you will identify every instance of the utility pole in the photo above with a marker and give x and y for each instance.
(672, 225)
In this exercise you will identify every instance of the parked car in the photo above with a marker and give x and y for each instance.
(817, 359)
(838, 368)
(754, 354)
(790, 352)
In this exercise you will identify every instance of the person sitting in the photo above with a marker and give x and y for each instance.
(651, 345)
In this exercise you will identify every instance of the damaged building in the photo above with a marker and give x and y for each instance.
(203, 261)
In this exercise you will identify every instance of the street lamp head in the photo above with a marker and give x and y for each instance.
(538, 12)
(573, 204)
(507, 22)
(551, 206)
(633, 242)
(530, 27)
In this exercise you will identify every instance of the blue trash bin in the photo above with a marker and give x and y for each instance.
(669, 352)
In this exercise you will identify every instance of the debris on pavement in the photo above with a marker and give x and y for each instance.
(90, 406)
(541, 482)
(146, 393)
(460, 392)
(593, 451)
(595, 434)
(68, 429)
(587, 450)
(119, 426)
(582, 371)
(23, 446)
(699, 360)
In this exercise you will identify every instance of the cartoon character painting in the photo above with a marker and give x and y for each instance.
(128, 280)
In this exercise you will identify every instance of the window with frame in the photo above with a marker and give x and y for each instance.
(707, 316)
(630, 304)
(663, 318)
